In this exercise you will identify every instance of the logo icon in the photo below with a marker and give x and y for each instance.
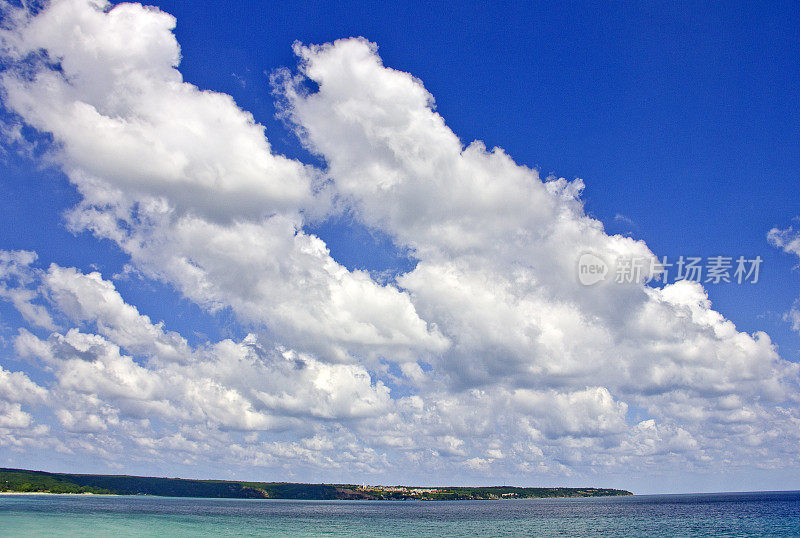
(591, 269)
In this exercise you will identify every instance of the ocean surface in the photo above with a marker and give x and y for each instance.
(728, 514)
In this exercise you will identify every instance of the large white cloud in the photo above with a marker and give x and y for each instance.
(118, 382)
(135, 386)
(489, 357)
(498, 249)
(136, 363)
(186, 183)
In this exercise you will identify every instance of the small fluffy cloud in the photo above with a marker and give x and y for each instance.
(17, 426)
(89, 298)
(589, 412)
(788, 240)
(16, 387)
(14, 269)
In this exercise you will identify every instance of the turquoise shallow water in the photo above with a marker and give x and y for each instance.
(731, 514)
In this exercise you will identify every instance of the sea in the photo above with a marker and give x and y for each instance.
(725, 514)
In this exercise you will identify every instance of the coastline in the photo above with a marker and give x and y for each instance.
(59, 494)
(29, 482)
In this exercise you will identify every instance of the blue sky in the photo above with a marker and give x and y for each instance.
(681, 121)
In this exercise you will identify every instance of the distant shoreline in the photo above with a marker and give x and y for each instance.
(28, 482)
(51, 493)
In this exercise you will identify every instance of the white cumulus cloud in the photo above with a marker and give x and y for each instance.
(487, 357)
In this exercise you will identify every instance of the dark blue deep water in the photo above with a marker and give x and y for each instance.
(729, 514)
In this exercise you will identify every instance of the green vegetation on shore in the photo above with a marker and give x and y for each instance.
(21, 480)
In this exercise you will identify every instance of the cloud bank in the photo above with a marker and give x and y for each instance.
(487, 358)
